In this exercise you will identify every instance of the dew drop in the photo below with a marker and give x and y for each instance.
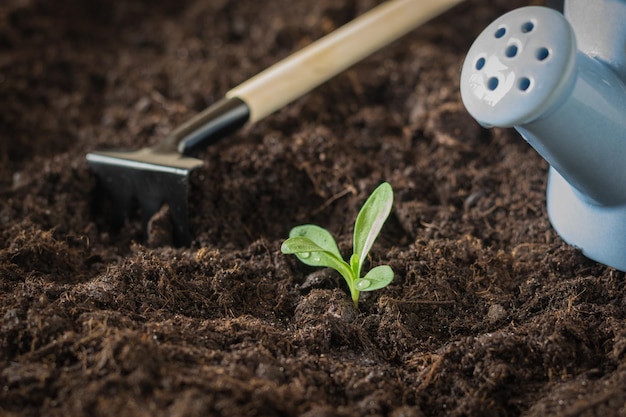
(305, 255)
(316, 259)
(363, 284)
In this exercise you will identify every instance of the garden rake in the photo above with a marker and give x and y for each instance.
(143, 181)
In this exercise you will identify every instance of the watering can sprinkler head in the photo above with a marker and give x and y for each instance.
(560, 81)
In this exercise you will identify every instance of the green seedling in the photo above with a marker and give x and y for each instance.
(315, 246)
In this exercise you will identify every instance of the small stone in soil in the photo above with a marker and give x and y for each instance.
(496, 313)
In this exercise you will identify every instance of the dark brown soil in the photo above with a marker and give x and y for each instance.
(490, 312)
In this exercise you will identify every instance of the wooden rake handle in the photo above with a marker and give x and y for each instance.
(304, 70)
(301, 72)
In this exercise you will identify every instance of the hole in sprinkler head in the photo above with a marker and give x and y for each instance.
(511, 51)
(492, 83)
(542, 53)
(480, 63)
(527, 27)
(500, 33)
(524, 83)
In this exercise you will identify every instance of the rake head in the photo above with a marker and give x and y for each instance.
(139, 183)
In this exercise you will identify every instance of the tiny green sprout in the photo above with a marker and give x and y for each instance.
(315, 246)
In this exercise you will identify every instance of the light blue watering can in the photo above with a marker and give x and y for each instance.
(560, 81)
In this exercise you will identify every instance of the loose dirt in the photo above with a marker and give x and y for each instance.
(490, 313)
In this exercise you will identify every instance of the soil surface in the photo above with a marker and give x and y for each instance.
(489, 314)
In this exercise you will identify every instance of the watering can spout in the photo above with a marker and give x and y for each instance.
(527, 71)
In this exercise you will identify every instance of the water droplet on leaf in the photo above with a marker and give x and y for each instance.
(316, 259)
(305, 255)
(363, 284)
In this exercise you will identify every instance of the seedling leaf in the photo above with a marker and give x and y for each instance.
(370, 220)
(317, 235)
(310, 253)
(355, 265)
(377, 278)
